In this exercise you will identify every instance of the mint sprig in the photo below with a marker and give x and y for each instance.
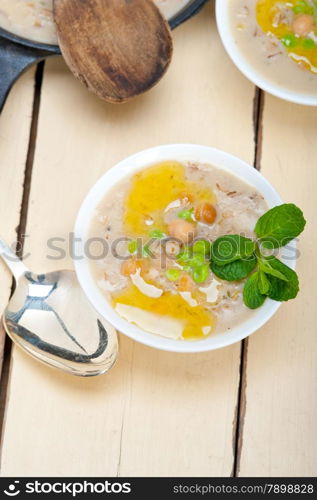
(231, 247)
(252, 296)
(286, 289)
(263, 283)
(234, 271)
(280, 225)
(234, 257)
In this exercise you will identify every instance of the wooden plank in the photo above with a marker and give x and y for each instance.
(155, 413)
(280, 432)
(15, 123)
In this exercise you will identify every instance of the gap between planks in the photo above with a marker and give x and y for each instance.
(258, 106)
(20, 230)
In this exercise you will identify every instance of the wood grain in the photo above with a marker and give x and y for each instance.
(281, 379)
(15, 121)
(117, 48)
(156, 413)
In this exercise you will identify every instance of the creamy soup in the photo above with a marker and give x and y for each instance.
(156, 228)
(33, 19)
(279, 39)
(29, 19)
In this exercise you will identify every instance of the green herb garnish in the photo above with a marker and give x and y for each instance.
(132, 246)
(203, 247)
(157, 233)
(201, 273)
(265, 265)
(280, 225)
(252, 296)
(185, 256)
(146, 252)
(285, 289)
(194, 260)
(303, 7)
(173, 274)
(186, 214)
(231, 247)
(263, 283)
(234, 257)
(197, 260)
(308, 43)
(289, 41)
(236, 270)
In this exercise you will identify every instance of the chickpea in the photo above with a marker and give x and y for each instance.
(128, 267)
(131, 266)
(303, 24)
(185, 283)
(182, 230)
(205, 212)
(172, 248)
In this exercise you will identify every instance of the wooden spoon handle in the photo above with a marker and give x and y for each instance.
(117, 48)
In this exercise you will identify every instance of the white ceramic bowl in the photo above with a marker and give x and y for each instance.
(227, 37)
(180, 152)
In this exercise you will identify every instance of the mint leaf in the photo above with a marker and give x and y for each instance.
(252, 296)
(266, 267)
(280, 225)
(234, 271)
(231, 247)
(263, 283)
(282, 290)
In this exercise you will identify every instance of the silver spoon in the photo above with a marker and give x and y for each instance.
(49, 317)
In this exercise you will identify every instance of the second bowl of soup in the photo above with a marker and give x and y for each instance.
(274, 43)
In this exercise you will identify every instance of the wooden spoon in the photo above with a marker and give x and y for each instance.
(117, 48)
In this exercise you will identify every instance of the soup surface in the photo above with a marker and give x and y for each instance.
(33, 19)
(149, 245)
(279, 39)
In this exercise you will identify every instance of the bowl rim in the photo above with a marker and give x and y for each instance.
(125, 168)
(226, 35)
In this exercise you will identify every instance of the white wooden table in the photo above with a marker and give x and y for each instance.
(248, 410)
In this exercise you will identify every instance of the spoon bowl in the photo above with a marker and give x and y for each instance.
(117, 48)
(49, 317)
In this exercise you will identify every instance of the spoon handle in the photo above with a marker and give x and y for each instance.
(15, 265)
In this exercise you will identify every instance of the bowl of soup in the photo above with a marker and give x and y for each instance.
(133, 236)
(274, 44)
